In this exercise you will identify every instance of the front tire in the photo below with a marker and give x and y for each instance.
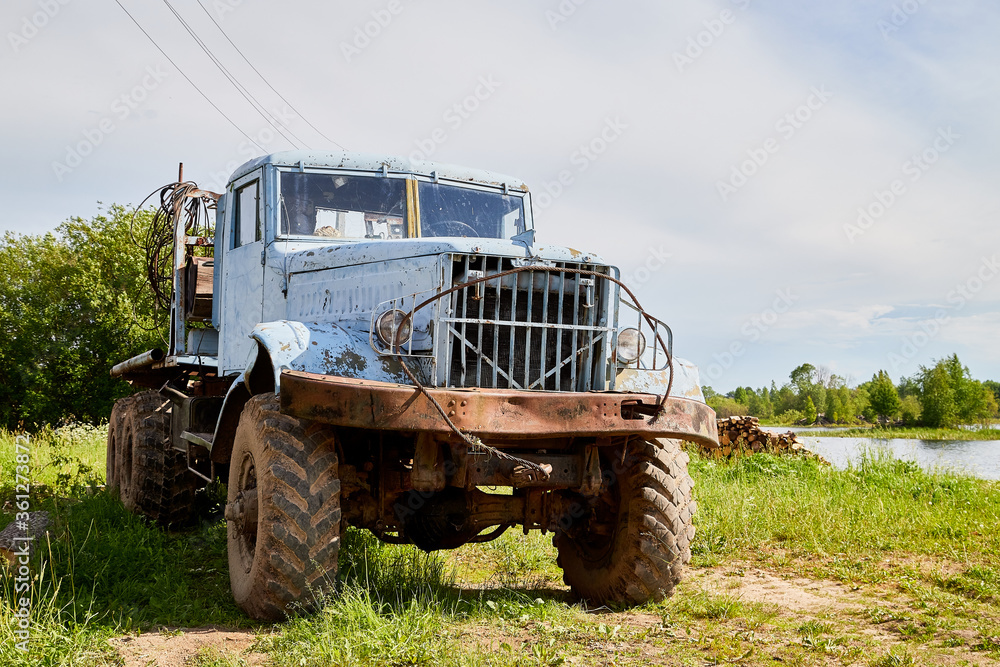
(282, 511)
(638, 539)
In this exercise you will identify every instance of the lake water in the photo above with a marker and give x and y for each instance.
(976, 457)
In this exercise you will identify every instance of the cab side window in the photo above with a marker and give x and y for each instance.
(247, 215)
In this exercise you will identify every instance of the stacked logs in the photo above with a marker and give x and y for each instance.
(743, 435)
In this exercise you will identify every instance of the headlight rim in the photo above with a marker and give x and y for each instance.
(388, 333)
(637, 350)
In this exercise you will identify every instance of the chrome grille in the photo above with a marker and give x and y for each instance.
(541, 329)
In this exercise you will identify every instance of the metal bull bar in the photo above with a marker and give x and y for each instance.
(496, 413)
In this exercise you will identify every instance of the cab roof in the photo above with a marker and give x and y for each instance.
(374, 162)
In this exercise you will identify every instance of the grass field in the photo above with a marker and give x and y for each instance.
(795, 563)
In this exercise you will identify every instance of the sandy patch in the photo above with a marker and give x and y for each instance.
(172, 647)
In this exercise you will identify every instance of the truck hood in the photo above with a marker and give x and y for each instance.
(305, 256)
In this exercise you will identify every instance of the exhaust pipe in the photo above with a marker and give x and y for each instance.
(137, 362)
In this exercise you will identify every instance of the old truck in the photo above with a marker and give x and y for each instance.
(375, 342)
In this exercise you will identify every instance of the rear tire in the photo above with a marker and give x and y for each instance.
(635, 546)
(114, 441)
(152, 477)
(282, 513)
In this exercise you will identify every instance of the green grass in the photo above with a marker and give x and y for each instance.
(61, 459)
(922, 546)
(908, 433)
(850, 518)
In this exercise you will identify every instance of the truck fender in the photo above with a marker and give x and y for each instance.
(229, 418)
(315, 347)
(686, 381)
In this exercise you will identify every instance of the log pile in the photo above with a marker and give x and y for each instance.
(743, 435)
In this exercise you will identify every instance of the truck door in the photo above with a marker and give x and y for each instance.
(242, 272)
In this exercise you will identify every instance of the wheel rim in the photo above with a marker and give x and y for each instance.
(246, 532)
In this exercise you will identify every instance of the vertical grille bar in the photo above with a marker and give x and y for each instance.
(559, 332)
(530, 330)
(465, 330)
(576, 334)
(447, 343)
(495, 351)
(484, 288)
(590, 340)
(512, 332)
(545, 328)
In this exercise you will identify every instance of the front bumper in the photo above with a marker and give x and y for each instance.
(493, 414)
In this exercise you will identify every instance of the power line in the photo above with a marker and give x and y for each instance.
(262, 78)
(188, 79)
(257, 106)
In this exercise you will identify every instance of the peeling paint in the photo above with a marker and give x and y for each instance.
(686, 381)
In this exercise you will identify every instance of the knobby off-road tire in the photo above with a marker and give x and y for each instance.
(283, 512)
(641, 552)
(152, 477)
(114, 441)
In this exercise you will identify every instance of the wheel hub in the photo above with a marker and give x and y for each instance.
(242, 512)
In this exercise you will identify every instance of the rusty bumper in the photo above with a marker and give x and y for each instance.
(492, 414)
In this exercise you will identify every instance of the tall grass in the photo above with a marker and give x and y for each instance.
(62, 459)
(878, 504)
(398, 606)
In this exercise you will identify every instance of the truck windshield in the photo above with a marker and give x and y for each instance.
(357, 208)
(449, 210)
(343, 207)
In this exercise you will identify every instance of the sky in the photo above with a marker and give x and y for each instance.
(781, 182)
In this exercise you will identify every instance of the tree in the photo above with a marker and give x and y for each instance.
(802, 377)
(976, 403)
(909, 410)
(937, 398)
(994, 387)
(72, 304)
(882, 396)
(740, 396)
(965, 401)
(810, 410)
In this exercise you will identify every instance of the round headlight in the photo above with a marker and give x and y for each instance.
(631, 345)
(391, 330)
